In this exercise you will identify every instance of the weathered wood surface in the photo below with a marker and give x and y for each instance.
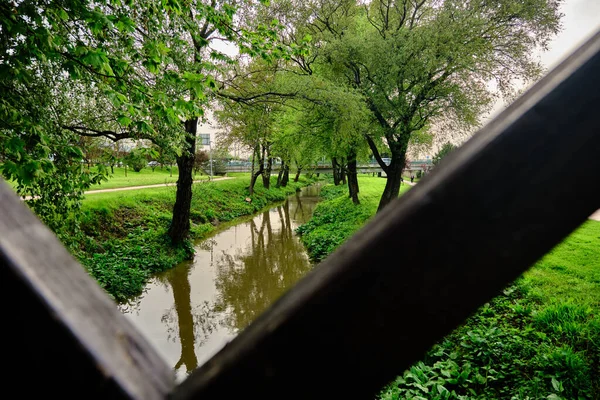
(430, 259)
(63, 336)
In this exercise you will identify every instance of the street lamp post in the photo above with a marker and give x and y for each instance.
(210, 154)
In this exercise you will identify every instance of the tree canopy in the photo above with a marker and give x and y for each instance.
(418, 62)
(329, 77)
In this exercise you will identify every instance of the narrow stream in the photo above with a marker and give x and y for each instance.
(191, 311)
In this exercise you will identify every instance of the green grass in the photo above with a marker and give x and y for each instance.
(570, 271)
(540, 339)
(123, 238)
(145, 177)
(338, 218)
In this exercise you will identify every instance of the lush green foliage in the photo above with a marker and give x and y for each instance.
(136, 160)
(514, 347)
(539, 339)
(109, 69)
(337, 218)
(123, 234)
(415, 64)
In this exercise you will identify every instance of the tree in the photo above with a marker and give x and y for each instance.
(333, 123)
(443, 152)
(136, 160)
(200, 160)
(418, 62)
(249, 125)
(44, 160)
(144, 67)
(249, 111)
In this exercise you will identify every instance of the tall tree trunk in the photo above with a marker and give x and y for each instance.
(266, 177)
(297, 174)
(336, 171)
(280, 174)
(286, 175)
(353, 178)
(252, 179)
(392, 186)
(255, 175)
(180, 224)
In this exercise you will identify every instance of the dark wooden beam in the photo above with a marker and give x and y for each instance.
(430, 259)
(63, 336)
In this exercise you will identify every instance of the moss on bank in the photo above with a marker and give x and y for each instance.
(122, 239)
(540, 339)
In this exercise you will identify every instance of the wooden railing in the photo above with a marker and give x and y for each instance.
(364, 314)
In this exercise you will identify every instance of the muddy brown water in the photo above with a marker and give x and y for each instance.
(191, 311)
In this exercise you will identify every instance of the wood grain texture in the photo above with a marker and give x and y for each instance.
(64, 336)
(475, 224)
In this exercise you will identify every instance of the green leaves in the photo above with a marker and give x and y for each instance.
(124, 120)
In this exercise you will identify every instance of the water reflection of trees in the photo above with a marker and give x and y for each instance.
(249, 281)
(302, 207)
(195, 324)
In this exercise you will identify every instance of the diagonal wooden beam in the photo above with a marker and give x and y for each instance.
(431, 258)
(63, 336)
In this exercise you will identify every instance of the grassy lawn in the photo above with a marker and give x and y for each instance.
(145, 177)
(570, 271)
(540, 339)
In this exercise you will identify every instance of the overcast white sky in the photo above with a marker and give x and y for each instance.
(581, 20)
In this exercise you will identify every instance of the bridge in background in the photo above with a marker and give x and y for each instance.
(326, 168)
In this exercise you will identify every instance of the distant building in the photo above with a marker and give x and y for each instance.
(207, 134)
(207, 138)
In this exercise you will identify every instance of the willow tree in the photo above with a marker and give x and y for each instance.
(418, 62)
(331, 122)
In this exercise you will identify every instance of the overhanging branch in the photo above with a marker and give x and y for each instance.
(376, 154)
(89, 132)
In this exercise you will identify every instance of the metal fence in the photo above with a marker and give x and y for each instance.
(363, 315)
